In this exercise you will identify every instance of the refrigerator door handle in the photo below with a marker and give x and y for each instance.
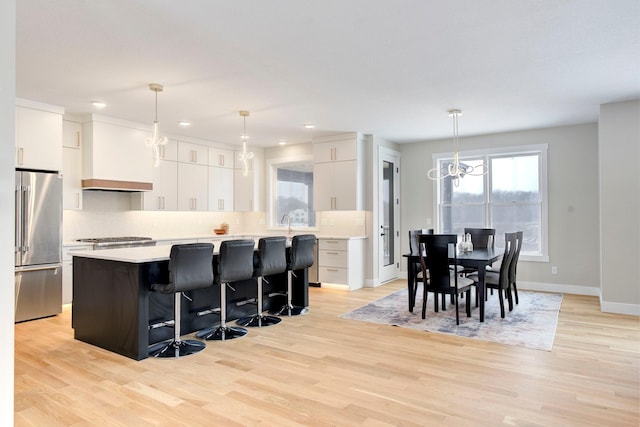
(25, 218)
(54, 267)
(18, 219)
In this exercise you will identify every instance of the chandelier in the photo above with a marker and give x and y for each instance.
(155, 141)
(456, 169)
(245, 155)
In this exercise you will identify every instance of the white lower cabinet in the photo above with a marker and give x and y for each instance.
(67, 271)
(341, 263)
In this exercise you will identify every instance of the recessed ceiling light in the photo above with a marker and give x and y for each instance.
(98, 104)
(282, 142)
(309, 125)
(184, 123)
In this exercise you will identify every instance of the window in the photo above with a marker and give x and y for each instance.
(511, 196)
(292, 194)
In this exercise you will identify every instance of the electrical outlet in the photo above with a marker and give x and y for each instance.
(554, 270)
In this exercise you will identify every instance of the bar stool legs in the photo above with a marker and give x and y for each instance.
(177, 347)
(258, 319)
(222, 332)
(289, 309)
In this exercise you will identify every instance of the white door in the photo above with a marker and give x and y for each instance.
(388, 214)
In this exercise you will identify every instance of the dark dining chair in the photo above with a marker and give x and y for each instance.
(413, 248)
(482, 238)
(435, 252)
(500, 280)
(513, 267)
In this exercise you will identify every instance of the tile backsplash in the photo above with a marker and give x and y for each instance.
(108, 214)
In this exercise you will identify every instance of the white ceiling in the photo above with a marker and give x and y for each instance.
(391, 68)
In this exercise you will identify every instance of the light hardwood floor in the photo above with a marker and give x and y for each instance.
(321, 370)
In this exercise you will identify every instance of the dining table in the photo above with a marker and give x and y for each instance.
(478, 259)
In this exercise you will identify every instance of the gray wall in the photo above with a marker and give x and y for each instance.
(7, 183)
(573, 201)
(619, 148)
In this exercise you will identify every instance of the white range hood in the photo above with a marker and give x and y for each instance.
(115, 156)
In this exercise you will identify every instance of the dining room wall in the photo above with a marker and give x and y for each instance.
(573, 201)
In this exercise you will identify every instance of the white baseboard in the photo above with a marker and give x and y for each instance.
(559, 287)
(619, 308)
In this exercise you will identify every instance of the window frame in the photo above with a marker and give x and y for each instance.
(486, 155)
(272, 196)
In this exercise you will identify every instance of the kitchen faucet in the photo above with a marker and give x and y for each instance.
(288, 218)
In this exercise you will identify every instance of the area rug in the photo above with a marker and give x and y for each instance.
(531, 324)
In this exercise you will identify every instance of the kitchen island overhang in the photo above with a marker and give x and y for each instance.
(113, 307)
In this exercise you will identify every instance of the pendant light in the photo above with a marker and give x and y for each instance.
(455, 169)
(245, 155)
(155, 141)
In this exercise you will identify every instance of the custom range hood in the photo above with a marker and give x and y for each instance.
(114, 155)
(113, 185)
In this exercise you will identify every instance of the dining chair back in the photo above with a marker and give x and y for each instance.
(413, 238)
(513, 266)
(482, 238)
(436, 252)
(500, 280)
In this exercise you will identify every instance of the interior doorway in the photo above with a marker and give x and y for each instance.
(388, 214)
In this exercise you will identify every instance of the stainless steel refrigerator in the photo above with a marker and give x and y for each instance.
(38, 245)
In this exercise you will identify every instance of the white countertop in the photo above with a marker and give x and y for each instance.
(136, 255)
(75, 243)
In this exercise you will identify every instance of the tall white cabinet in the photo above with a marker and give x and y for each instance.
(338, 172)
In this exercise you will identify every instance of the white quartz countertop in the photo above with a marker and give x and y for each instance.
(133, 255)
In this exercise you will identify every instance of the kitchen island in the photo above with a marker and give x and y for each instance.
(114, 309)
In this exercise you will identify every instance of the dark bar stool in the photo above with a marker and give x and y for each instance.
(235, 263)
(300, 257)
(271, 259)
(190, 267)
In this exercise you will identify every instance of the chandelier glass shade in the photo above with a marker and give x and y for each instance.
(455, 169)
(156, 141)
(244, 155)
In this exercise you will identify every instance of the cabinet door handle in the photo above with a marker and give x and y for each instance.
(332, 253)
(78, 138)
(77, 200)
(20, 156)
(220, 159)
(333, 269)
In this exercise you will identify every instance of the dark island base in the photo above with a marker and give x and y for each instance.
(113, 307)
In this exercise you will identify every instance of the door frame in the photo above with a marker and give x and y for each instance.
(391, 271)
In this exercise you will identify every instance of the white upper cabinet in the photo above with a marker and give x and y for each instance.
(71, 134)
(247, 189)
(192, 187)
(71, 165)
(193, 153)
(38, 136)
(338, 173)
(164, 196)
(220, 189)
(115, 150)
(169, 151)
(220, 157)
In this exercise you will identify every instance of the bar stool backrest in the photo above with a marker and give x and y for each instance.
(190, 267)
(272, 256)
(301, 252)
(235, 260)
